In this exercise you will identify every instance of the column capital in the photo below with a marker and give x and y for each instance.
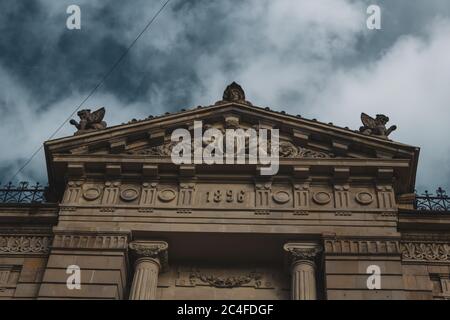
(157, 250)
(302, 252)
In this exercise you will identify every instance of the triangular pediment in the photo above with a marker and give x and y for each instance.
(307, 147)
(299, 138)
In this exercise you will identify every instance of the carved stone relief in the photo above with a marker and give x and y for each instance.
(148, 196)
(88, 241)
(385, 197)
(361, 246)
(167, 195)
(129, 194)
(322, 197)
(341, 196)
(441, 286)
(9, 276)
(263, 192)
(92, 193)
(24, 244)
(73, 192)
(186, 195)
(364, 198)
(262, 195)
(222, 279)
(224, 195)
(301, 196)
(110, 193)
(425, 252)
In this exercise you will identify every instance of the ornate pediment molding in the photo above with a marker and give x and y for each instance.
(300, 140)
(287, 149)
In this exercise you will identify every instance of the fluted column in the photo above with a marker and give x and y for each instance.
(302, 259)
(150, 258)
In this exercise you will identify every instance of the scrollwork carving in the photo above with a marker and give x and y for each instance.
(289, 150)
(157, 250)
(24, 244)
(421, 251)
(299, 252)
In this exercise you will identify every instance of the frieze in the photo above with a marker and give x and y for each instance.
(425, 252)
(262, 195)
(189, 276)
(86, 241)
(24, 244)
(361, 246)
(224, 281)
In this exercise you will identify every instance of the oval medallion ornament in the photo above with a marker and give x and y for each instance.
(129, 194)
(91, 194)
(364, 197)
(322, 197)
(166, 195)
(281, 197)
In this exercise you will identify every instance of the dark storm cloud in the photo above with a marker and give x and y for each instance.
(315, 58)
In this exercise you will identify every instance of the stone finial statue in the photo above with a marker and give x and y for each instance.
(234, 93)
(89, 121)
(377, 126)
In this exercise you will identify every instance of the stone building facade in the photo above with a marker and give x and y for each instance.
(140, 227)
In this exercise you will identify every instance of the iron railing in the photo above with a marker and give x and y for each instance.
(22, 193)
(439, 202)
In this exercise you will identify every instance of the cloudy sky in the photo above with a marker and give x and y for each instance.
(310, 57)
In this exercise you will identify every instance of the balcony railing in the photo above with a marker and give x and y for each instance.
(22, 193)
(438, 202)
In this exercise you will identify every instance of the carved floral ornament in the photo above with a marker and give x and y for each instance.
(421, 251)
(299, 252)
(24, 244)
